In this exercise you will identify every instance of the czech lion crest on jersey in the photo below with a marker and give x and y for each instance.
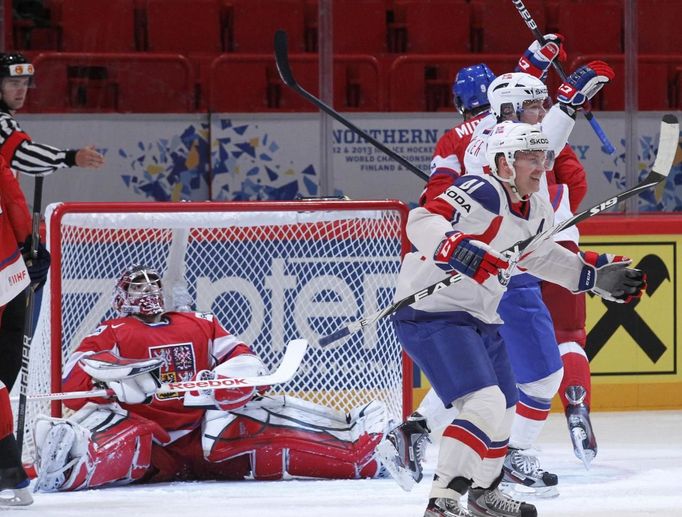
(179, 365)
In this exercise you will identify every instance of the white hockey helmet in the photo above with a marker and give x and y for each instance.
(509, 138)
(514, 89)
(139, 291)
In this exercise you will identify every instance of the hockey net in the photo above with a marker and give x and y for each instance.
(269, 271)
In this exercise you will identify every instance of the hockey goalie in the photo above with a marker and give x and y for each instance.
(142, 436)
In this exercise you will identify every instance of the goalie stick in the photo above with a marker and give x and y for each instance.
(282, 60)
(607, 146)
(293, 356)
(667, 147)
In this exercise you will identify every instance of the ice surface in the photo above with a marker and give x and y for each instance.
(638, 472)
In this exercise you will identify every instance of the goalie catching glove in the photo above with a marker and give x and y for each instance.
(242, 365)
(539, 57)
(134, 381)
(471, 257)
(609, 277)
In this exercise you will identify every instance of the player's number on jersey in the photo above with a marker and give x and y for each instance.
(471, 185)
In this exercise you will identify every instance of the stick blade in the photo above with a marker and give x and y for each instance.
(293, 356)
(282, 58)
(667, 144)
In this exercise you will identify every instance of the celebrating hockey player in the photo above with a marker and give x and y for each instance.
(453, 335)
(514, 96)
(142, 436)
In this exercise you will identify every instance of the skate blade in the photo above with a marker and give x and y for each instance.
(387, 456)
(517, 491)
(584, 455)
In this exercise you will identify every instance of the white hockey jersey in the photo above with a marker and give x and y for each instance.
(472, 205)
(557, 125)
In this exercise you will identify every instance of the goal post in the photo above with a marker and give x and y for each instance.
(270, 271)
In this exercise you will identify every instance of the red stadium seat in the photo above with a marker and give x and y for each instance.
(254, 22)
(139, 83)
(435, 26)
(359, 26)
(655, 82)
(424, 82)
(357, 85)
(184, 26)
(97, 25)
(498, 27)
(658, 26)
(591, 26)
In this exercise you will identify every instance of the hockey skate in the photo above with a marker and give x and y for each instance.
(442, 507)
(522, 475)
(402, 451)
(491, 502)
(14, 488)
(579, 426)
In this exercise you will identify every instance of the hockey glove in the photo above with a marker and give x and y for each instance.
(38, 266)
(538, 58)
(473, 258)
(243, 365)
(584, 83)
(609, 277)
(134, 381)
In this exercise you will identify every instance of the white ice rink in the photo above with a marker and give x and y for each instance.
(637, 473)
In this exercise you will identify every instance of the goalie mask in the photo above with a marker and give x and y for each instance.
(139, 291)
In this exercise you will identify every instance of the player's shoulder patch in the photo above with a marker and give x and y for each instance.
(471, 192)
(204, 316)
(97, 331)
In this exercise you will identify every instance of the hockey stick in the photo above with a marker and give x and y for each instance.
(607, 146)
(667, 147)
(293, 356)
(282, 59)
(28, 316)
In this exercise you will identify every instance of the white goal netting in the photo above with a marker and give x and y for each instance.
(270, 272)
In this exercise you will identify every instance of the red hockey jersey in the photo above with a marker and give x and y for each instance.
(186, 341)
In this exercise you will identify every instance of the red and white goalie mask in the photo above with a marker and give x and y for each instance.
(139, 291)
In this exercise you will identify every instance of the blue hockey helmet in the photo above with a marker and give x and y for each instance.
(470, 89)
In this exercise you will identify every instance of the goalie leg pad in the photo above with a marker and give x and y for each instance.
(97, 446)
(296, 438)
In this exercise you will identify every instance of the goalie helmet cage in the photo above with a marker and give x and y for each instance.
(269, 271)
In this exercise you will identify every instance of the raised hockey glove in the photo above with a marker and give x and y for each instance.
(39, 266)
(243, 365)
(584, 83)
(471, 257)
(134, 381)
(537, 59)
(609, 277)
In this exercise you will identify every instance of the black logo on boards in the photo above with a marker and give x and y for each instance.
(624, 315)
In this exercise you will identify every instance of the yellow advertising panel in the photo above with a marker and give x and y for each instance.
(633, 348)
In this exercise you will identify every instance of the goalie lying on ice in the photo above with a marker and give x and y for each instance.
(143, 436)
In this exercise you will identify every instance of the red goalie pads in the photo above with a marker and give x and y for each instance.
(274, 450)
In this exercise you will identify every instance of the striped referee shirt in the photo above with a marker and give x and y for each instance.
(24, 155)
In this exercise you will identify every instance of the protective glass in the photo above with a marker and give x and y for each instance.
(536, 159)
(534, 109)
